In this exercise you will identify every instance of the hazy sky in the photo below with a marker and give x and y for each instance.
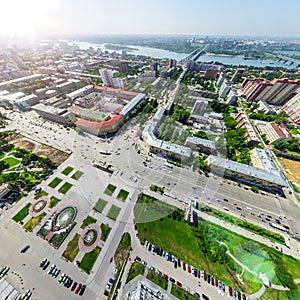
(203, 17)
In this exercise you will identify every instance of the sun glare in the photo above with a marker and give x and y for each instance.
(23, 17)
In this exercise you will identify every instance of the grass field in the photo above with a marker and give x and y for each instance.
(198, 246)
(11, 161)
(158, 280)
(180, 293)
(55, 182)
(53, 201)
(30, 225)
(87, 221)
(89, 260)
(113, 212)
(135, 270)
(72, 248)
(110, 189)
(40, 194)
(22, 214)
(100, 205)
(65, 187)
(105, 230)
(122, 195)
(77, 175)
(67, 170)
(276, 237)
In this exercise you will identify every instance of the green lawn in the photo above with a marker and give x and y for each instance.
(30, 225)
(243, 224)
(294, 131)
(40, 194)
(125, 243)
(89, 260)
(65, 187)
(180, 293)
(113, 212)
(87, 221)
(100, 205)
(110, 189)
(164, 226)
(22, 214)
(67, 170)
(158, 280)
(55, 182)
(11, 161)
(105, 230)
(122, 195)
(135, 270)
(53, 201)
(72, 248)
(77, 175)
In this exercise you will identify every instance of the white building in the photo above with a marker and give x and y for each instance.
(225, 88)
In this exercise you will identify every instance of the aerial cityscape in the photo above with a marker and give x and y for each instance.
(149, 150)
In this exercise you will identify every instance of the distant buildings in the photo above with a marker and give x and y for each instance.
(292, 108)
(243, 121)
(276, 132)
(276, 92)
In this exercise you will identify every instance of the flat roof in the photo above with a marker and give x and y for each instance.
(79, 91)
(272, 176)
(112, 90)
(97, 125)
(198, 141)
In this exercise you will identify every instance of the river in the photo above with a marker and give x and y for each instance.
(161, 53)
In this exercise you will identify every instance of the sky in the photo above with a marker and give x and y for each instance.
(196, 17)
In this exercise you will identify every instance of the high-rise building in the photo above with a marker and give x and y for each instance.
(171, 62)
(225, 88)
(123, 67)
(221, 79)
(237, 75)
(106, 76)
(292, 108)
(155, 68)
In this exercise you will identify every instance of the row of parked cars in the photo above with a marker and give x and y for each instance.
(177, 263)
(4, 271)
(65, 280)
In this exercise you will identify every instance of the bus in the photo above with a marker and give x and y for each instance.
(278, 227)
(166, 164)
(105, 152)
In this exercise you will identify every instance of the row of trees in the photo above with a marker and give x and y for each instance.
(290, 145)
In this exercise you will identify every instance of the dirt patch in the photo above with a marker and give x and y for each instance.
(56, 156)
(207, 264)
(292, 169)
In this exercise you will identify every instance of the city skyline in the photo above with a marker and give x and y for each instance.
(68, 17)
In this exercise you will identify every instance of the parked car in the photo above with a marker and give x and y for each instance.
(83, 287)
(78, 288)
(73, 286)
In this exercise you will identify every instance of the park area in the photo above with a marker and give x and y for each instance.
(205, 246)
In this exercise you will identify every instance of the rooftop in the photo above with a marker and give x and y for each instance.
(272, 176)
